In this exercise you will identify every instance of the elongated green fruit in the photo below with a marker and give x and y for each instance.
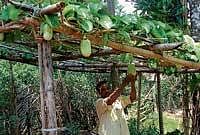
(1, 36)
(131, 69)
(85, 48)
(47, 32)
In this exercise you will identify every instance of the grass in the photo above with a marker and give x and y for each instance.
(172, 122)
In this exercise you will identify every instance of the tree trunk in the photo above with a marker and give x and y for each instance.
(159, 106)
(195, 18)
(196, 111)
(139, 101)
(186, 110)
(111, 6)
(48, 110)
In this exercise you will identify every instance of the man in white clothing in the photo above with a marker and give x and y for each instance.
(110, 107)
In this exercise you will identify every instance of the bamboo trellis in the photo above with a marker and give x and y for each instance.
(45, 60)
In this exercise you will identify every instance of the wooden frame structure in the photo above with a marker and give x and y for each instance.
(71, 61)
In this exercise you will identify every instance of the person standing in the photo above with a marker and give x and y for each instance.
(110, 107)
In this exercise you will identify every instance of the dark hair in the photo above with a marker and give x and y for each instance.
(99, 84)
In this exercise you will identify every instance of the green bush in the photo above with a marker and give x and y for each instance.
(150, 130)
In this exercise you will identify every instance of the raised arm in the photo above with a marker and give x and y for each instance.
(117, 92)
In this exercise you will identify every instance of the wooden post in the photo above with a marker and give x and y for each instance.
(194, 6)
(186, 110)
(111, 6)
(48, 109)
(159, 106)
(139, 100)
(114, 76)
(13, 104)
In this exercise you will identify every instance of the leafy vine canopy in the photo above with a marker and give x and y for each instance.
(92, 26)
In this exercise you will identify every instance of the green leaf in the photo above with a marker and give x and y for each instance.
(170, 70)
(105, 22)
(54, 19)
(105, 39)
(4, 14)
(86, 25)
(146, 27)
(188, 40)
(152, 63)
(126, 58)
(162, 25)
(48, 21)
(124, 35)
(69, 11)
(128, 19)
(13, 13)
(83, 13)
(197, 50)
(159, 34)
(95, 7)
(173, 34)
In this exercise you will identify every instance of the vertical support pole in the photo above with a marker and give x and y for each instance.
(159, 105)
(114, 76)
(139, 100)
(13, 102)
(186, 120)
(48, 109)
(111, 6)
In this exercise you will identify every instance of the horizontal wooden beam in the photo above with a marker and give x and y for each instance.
(51, 9)
(89, 67)
(76, 35)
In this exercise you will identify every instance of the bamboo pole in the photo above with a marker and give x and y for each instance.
(51, 9)
(13, 104)
(114, 76)
(139, 101)
(159, 103)
(48, 109)
(186, 110)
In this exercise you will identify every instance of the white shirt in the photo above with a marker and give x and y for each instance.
(111, 117)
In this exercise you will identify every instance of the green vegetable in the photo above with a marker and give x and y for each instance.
(47, 32)
(1, 36)
(85, 48)
(131, 69)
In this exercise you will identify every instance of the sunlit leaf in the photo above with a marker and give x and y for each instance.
(13, 13)
(69, 11)
(5, 13)
(188, 40)
(86, 25)
(95, 7)
(83, 13)
(106, 22)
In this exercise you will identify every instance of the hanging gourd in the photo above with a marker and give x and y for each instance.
(131, 69)
(85, 47)
(47, 32)
(1, 36)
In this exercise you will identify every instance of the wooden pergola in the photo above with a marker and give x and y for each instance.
(63, 53)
